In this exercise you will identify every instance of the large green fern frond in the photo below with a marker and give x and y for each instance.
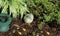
(16, 7)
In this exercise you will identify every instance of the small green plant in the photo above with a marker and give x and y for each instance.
(40, 25)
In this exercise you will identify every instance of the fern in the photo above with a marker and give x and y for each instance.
(16, 7)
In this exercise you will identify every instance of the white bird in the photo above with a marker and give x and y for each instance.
(28, 18)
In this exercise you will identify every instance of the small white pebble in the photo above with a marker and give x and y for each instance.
(17, 28)
(37, 35)
(20, 33)
(48, 33)
(16, 25)
(13, 31)
(24, 29)
(41, 31)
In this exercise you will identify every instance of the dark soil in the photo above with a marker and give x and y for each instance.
(19, 28)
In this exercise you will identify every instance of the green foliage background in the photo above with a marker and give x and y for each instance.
(46, 11)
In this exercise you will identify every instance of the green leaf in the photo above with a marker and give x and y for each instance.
(47, 18)
(40, 25)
